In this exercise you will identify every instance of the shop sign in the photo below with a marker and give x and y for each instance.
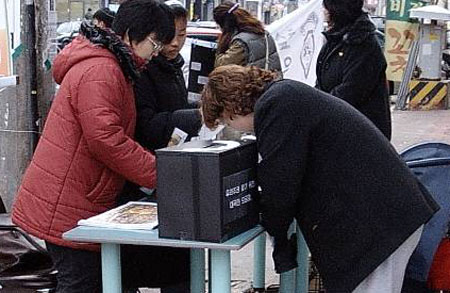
(399, 9)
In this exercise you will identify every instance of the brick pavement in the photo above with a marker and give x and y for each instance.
(412, 127)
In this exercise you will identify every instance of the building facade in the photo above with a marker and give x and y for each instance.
(72, 10)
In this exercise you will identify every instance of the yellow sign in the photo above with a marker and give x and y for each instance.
(4, 58)
(399, 39)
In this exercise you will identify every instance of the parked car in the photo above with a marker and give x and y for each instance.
(199, 30)
(201, 33)
(203, 23)
(379, 22)
(66, 32)
(203, 30)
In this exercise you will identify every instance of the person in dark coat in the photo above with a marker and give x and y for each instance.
(351, 65)
(161, 94)
(162, 103)
(162, 106)
(358, 205)
(162, 98)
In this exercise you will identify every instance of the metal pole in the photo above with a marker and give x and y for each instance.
(30, 46)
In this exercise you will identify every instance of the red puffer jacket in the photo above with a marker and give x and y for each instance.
(86, 150)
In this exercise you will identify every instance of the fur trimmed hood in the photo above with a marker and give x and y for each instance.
(355, 33)
(91, 44)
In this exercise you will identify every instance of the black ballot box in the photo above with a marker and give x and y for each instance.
(207, 190)
(201, 64)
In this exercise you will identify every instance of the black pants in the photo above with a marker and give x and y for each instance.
(79, 271)
(155, 267)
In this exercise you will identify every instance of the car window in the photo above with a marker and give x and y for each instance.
(76, 26)
(64, 27)
(68, 27)
(379, 22)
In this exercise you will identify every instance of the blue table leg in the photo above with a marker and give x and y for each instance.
(197, 270)
(287, 279)
(111, 273)
(259, 262)
(287, 282)
(220, 271)
(301, 280)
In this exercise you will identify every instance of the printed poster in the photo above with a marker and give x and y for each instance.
(399, 39)
(400, 32)
(299, 39)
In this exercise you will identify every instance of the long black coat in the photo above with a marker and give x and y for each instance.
(351, 66)
(328, 166)
(162, 104)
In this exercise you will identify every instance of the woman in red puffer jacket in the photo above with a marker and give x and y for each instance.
(87, 149)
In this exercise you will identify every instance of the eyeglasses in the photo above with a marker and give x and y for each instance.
(156, 46)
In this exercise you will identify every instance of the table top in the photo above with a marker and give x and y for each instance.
(150, 237)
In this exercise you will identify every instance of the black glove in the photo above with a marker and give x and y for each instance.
(285, 254)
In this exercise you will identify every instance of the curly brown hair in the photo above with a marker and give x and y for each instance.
(239, 20)
(234, 90)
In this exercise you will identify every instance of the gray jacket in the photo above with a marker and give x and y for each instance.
(255, 47)
(250, 49)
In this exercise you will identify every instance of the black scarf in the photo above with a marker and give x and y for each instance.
(109, 40)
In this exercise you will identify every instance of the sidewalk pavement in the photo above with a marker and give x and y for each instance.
(409, 128)
(413, 127)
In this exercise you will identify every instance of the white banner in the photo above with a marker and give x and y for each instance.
(299, 40)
